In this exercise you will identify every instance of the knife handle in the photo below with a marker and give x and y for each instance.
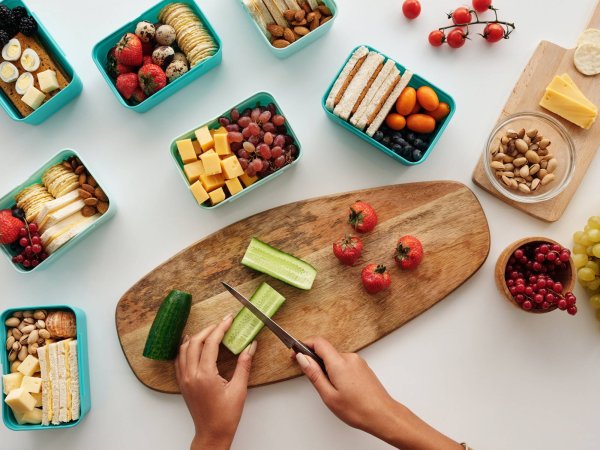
(299, 347)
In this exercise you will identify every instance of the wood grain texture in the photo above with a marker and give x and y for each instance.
(445, 215)
(549, 60)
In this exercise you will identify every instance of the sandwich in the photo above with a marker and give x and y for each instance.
(60, 382)
(260, 13)
(276, 12)
(346, 75)
(62, 232)
(389, 103)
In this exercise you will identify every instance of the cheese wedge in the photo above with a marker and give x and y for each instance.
(566, 86)
(69, 232)
(569, 108)
(55, 205)
(61, 214)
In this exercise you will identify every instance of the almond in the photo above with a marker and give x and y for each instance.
(289, 14)
(88, 211)
(325, 19)
(301, 14)
(67, 165)
(302, 31)
(91, 181)
(100, 195)
(275, 29)
(79, 170)
(82, 179)
(280, 43)
(324, 10)
(91, 201)
(288, 35)
(102, 207)
(87, 187)
(306, 7)
(84, 194)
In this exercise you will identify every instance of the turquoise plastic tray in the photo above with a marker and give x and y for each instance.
(416, 81)
(72, 90)
(101, 50)
(305, 40)
(261, 98)
(82, 360)
(9, 200)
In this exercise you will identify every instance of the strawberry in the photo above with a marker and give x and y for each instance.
(362, 217)
(409, 252)
(147, 59)
(129, 50)
(152, 78)
(375, 278)
(138, 95)
(9, 227)
(127, 84)
(147, 48)
(348, 249)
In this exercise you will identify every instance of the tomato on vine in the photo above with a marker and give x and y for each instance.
(493, 32)
(461, 16)
(481, 5)
(437, 38)
(456, 38)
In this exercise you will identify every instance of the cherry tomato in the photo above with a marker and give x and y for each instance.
(456, 38)
(481, 5)
(395, 121)
(493, 32)
(411, 9)
(461, 16)
(437, 38)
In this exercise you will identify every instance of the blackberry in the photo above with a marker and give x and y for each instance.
(4, 38)
(6, 17)
(28, 26)
(18, 13)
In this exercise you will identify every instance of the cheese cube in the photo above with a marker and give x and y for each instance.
(197, 146)
(199, 192)
(20, 401)
(32, 385)
(220, 130)
(30, 366)
(33, 417)
(47, 80)
(33, 97)
(248, 180)
(231, 167)
(212, 163)
(204, 138)
(221, 144)
(234, 186)
(186, 151)
(217, 196)
(212, 182)
(12, 381)
(193, 170)
(38, 399)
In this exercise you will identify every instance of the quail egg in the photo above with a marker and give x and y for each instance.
(145, 31)
(30, 60)
(12, 50)
(180, 57)
(165, 35)
(24, 82)
(175, 70)
(8, 72)
(163, 55)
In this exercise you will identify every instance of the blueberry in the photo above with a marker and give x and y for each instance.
(18, 213)
(378, 136)
(386, 140)
(410, 137)
(397, 139)
(417, 155)
(402, 142)
(420, 144)
(397, 148)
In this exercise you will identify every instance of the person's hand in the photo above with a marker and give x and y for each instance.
(356, 396)
(215, 404)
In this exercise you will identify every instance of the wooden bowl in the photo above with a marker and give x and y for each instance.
(567, 278)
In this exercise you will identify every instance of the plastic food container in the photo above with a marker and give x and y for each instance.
(82, 359)
(101, 50)
(9, 200)
(305, 40)
(261, 98)
(416, 81)
(72, 90)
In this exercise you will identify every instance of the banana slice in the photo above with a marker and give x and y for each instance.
(12, 50)
(8, 72)
(24, 82)
(30, 60)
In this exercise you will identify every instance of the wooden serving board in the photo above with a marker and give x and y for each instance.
(549, 60)
(445, 215)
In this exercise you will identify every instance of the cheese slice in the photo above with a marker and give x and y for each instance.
(56, 230)
(69, 233)
(55, 205)
(61, 214)
(568, 108)
(567, 87)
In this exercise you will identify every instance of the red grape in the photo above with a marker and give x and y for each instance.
(234, 136)
(224, 121)
(254, 115)
(268, 138)
(249, 147)
(257, 164)
(264, 151)
(278, 120)
(264, 117)
(243, 162)
(250, 170)
(279, 140)
(232, 127)
(244, 121)
(268, 127)
(254, 129)
(279, 161)
(235, 115)
(276, 152)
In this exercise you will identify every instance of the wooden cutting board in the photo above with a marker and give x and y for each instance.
(549, 60)
(445, 215)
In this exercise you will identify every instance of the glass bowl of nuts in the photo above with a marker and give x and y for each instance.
(529, 157)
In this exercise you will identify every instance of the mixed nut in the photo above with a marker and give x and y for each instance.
(92, 195)
(301, 21)
(523, 161)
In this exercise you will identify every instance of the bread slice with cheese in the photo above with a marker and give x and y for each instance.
(389, 103)
(68, 232)
(55, 205)
(345, 77)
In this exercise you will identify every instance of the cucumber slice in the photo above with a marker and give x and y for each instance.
(246, 325)
(165, 334)
(283, 266)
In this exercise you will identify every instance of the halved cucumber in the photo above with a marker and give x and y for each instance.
(246, 325)
(283, 266)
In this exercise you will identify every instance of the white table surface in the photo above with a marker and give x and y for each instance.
(473, 366)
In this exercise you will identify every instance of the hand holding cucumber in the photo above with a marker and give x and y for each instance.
(215, 404)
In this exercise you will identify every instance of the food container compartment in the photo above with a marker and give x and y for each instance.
(262, 98)
(72, 90)
(416, 81)
(562, 147)
(82, 360)
(8, 201)
(101, 49)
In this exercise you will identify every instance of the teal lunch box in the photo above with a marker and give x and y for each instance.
(416, 81)
(260, 98)
(83, 365)
(8, 201)
(304, 41)
(72, 90)
(101, 49)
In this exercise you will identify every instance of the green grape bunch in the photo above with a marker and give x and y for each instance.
(586, 256)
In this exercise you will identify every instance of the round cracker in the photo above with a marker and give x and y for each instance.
(587, 59)
(589, 36)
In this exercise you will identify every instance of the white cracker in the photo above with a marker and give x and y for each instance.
(589, 36)
(587, 59)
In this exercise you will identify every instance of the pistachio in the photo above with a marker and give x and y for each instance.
(40, 324)
(532, 133)
(23, 340)
(9, 342)
(506, 180)
(28, 329)
(549, 178)
(22, 353)
(14, 366)
(521, 133)
(44, 334)
(524, 171)
(508, 174)
(12, 356)
(533, 169)
(32, 349)
(535, 183)
(12, 322)
(552, 164)
(33, 337)
(524, 188)
(29, 320)
(27, 314)
(39, 315)
(532, 156)
(542, 173)
(17, 333)
(18, 314)
(519, 161)
(544, 143)
(497, 165)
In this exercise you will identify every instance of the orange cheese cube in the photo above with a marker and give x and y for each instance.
(221, 144)
(199, 192)
(220, 130)
(233, 186)
(212, 163)
(217, 196)
(197, 146)
(248, 180)
(186, 151)
(193, 171)
(212, 182)
(231, 167)
(205, 138)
